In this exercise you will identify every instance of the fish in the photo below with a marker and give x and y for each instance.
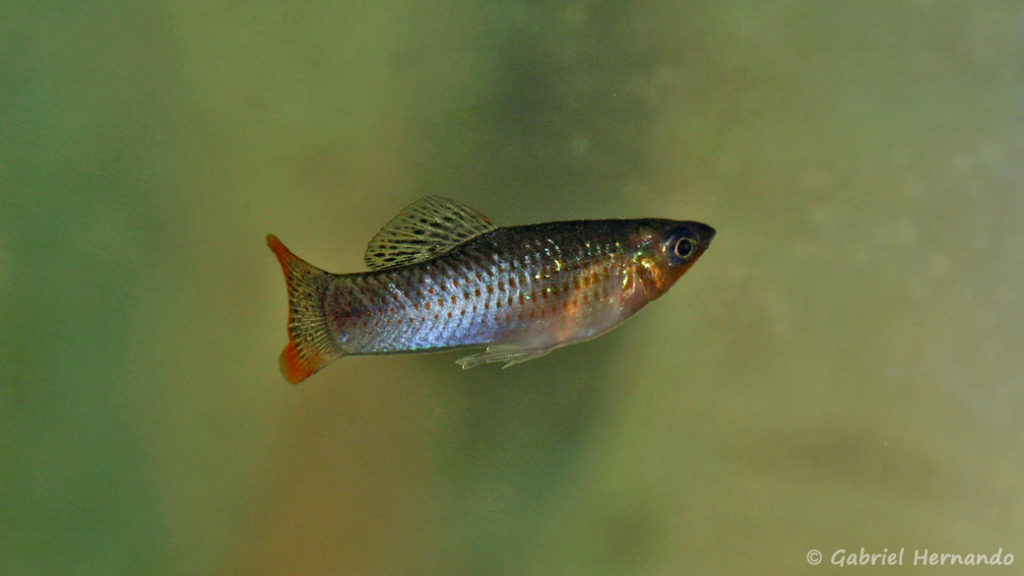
(442, 275)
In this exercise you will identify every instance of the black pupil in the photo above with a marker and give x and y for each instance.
(684, 248)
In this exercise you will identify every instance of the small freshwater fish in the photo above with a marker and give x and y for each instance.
(443, 276)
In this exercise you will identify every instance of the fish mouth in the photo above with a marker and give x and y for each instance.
(704, 232)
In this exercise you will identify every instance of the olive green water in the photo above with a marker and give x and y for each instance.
(842, 369)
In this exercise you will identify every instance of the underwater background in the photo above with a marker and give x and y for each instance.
(842, 370)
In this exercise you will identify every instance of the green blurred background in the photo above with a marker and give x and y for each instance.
(842, 369)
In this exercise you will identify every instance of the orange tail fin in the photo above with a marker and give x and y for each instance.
(310, 346)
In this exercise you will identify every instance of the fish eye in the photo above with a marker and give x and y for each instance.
(684, 248)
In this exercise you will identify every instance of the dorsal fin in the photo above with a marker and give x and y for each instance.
(424, 229)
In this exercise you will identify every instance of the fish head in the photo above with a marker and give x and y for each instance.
(665, 250)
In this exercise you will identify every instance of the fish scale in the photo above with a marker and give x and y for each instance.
(483, 308)
(442, 276)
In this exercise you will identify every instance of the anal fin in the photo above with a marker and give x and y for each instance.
(511, 354)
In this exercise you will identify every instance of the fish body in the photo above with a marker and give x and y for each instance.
(442, 276)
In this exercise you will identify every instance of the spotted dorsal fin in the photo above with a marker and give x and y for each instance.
(426, 228)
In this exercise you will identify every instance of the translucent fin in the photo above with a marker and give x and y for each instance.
(511, 354)
(310, 346)
(424, 229)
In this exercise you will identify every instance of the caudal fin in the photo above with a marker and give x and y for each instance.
(310, 346)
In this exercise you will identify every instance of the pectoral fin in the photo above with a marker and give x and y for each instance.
(511, 354)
